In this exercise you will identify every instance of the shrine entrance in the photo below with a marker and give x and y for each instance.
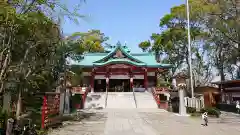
(119, 85)
(99, 85)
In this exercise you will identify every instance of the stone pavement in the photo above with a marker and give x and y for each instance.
(148, 122)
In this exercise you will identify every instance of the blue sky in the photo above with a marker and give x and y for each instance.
(130, 21)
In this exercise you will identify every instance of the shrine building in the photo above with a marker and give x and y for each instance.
(119, 70)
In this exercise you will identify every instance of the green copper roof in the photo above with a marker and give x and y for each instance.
(123, 50)
(120, 61)
(140, 59)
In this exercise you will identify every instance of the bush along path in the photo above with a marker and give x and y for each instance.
(212, 112)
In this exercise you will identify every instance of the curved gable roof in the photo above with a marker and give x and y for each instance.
(114, 51)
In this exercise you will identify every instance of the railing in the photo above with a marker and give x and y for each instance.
(134, 97)
(106, 98)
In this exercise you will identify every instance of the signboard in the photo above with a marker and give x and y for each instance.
(119, 77)
(119, 66)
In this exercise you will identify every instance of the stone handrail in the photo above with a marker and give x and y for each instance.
(155, 96)
(134, 97)
(106, 97)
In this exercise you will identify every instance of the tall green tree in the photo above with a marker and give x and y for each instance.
(29, 41)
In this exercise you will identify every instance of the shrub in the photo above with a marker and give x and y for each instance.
(211, 111)
(227, 107)
(191, 110)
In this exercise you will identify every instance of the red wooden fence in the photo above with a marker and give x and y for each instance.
(50, 109)
(51, 104)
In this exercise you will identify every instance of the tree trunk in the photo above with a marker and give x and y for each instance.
(221, 57)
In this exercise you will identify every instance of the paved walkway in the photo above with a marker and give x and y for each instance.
(147, 122)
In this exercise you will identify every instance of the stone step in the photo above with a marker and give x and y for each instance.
(145, 100)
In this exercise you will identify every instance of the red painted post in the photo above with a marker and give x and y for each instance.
(145, 79)
(44, 111)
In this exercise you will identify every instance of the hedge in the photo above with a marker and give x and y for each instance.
(227, 107)
(211, 111)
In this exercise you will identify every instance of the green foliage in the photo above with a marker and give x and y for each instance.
(191, 110)
(211, 111)
(214, 32)
(32, 50)
(144, 45)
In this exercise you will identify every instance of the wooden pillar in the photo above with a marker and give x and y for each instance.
(131, 78)
(131, 82)
(230, 97)
(145, 79)
(155, 78)
(107, 82)
(44, 108)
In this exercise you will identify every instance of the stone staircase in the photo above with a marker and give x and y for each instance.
(145, 100)
(120, 100)
(95, 101)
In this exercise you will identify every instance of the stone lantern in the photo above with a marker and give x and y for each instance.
(181, 86)
(181, 92)
(179, 78)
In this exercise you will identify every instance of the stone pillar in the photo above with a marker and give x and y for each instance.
(181, 92)
(62, 95)
(174, 83)
(67, 102)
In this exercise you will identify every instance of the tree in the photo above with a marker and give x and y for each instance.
(223, 24)
(92, 41)
(28, 46)
(215, 39)
(144, 45)
(171, 43)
